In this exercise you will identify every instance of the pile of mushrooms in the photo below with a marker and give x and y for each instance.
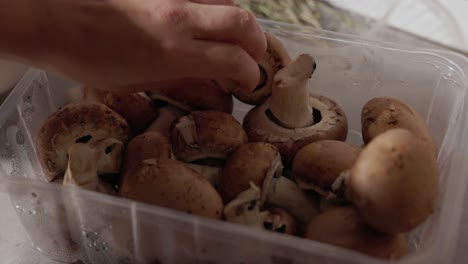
(286, 168)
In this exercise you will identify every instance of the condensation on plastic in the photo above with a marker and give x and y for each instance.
(69, 224)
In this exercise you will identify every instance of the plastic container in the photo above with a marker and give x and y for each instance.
(70, 224)
(429, 19)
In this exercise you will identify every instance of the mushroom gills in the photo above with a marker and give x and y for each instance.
(245, 209)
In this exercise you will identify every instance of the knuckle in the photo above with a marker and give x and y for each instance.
(244, 18)
(175, 16)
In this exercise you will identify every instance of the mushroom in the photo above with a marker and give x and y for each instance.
(344, 227)
(275, 58)
(205, 139)
(192, 95)
(320, 166)
(383, 113)
(83, 163)
(83, 122)
(260, 163)
(292, 118)
(152, 144)
(136, 108)
(206, 134)
(394, 182)
(245, 209)
(171, 184)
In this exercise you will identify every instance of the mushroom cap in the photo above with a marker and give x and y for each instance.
(149, 145)
(251, 162)
(383, 113)
(275, 58)
(194, 95)
(136, 108)
(394, 182)
(321, 163)
(84, 122)
(206, 134)
(343, 227)
(260, 126)
(172, 184)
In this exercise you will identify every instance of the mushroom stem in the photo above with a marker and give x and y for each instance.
(82, 167)
(162, 124)
(289, 101)
(84, 161)
(212, 174)
(335, 197)
(285, 193)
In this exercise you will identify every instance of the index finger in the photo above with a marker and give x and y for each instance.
(228, 24)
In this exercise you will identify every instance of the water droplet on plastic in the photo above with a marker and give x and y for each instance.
(90, 245)
(19, 137)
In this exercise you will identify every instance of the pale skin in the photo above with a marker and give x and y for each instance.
(130, 45)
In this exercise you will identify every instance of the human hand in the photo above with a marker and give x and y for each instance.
(128, 45)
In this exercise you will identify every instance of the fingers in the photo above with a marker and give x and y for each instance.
(228, 24)
(214, 2)
(212, 60)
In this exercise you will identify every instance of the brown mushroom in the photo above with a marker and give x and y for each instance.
(260, 163)
(153, 143)
(319, 165)
(275, 58)
(206, 134)
(192, 95)
(83, 163)
(84, 122)
(383, 113)
(394, 182)
(171, 184)
(292, 118)
(136, 108)
(246, 209)
(343, 227)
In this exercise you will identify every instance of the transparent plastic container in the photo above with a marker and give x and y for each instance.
(428, 19)
(70, 224)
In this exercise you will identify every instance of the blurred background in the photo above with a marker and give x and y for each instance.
(422, 23)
